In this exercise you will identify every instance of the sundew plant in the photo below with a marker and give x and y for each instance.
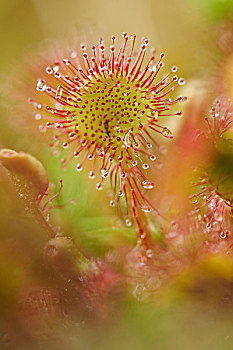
(108, 108)
(116, 191)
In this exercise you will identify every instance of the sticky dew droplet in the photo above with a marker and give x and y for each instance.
(104, 172)
(145, 209)
(167, 133)
(49, 70)
(152, 157)
(147, 184)
(224, 234)
(145, 166)
(99, 186)
(79, 167)
(136, 145)
(91, 175)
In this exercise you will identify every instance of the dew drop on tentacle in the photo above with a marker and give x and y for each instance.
(49, 70)
(145, 209)
(152, 157)
(154, 114)
(181, 81)
(41, 86)
(91, 175)
(126, 139)
(224, 234)
(167, 133)
(145, 166)
(79, 167)
(147, 184)
(99, 186)
(104, 172)
(179, 114)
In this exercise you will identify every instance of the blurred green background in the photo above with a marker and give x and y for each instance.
(181, 28)
(187, 31)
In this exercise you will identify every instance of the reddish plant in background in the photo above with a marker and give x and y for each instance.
(212, 205)
(213, 211)
(219, 120)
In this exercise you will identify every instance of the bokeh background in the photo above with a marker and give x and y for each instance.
(197, 36)
(188, 32)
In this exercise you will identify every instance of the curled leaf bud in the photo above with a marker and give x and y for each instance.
(28, 174)
(30, 180)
